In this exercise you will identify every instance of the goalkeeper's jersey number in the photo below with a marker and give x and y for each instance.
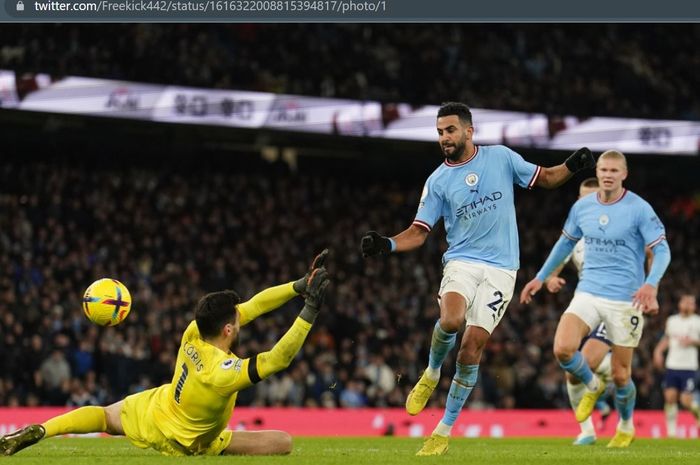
(181, 382)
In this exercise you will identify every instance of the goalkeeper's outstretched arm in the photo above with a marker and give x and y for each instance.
(266, 301)
(281, 355)
(274, 297)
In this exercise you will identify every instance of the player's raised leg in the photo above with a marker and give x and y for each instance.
(604, 372)
(625, 395)
(596, 354)
(259, 443)
(567, 339)
(452, 311)
(576, 389)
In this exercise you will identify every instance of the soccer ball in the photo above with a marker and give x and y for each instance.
(106, 302)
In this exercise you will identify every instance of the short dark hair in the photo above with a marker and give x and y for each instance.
(455, 108)
(590, 182)
(215, 310)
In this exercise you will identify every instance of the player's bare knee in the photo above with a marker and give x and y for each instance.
(686, 399)
(670, 396)
(620, 377)
(452, 312)
(284, 443)
(451, 323)
(113, 419)
(563, 351)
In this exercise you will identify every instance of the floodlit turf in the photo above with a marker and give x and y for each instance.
(380, 451)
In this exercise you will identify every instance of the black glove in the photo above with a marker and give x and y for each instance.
(373, 244)
(315, 294)
(580, 160)
(300, 284)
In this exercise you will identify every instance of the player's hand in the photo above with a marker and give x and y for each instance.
(375, 244)
(653, 309)
(658, 361)
(316, 289)
(686, 341)
(580, 160)
(554, 284)
(645, 299)
(530, 289)
(319, 261)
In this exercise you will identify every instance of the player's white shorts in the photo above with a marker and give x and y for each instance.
(623, 322)
(487, 290)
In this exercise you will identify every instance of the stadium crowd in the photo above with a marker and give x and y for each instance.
(175, 232)
(635, 70)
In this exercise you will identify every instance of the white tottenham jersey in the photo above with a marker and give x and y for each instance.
(682, 357)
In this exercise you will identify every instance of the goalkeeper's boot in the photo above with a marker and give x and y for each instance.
(584, 439)
(25, 437)
(434, 445)
(621, 439)
(419, 395)
(587, 404)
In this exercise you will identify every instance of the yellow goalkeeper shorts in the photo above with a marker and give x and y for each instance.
(142, 431)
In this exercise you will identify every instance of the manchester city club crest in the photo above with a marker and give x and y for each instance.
(472, 179)
(603, 220)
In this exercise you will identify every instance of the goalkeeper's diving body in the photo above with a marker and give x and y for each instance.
(189, 416)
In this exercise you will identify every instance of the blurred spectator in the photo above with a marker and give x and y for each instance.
(381, 380)
(54, 377)
(353, 396)
(79, 396)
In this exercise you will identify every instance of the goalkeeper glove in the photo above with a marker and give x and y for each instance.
(580, 160)
(315, 294)
(301, 284)
(373, 244)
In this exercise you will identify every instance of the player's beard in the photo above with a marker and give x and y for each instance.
(457, 150)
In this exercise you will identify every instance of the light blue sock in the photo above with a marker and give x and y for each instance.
(578, 367)
(462, 385)
(441, 344)
(625, 398)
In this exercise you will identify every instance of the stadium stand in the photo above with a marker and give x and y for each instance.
(174, 232)
(70, 213)
(635, 70)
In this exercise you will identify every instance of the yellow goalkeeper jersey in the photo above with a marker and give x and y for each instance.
(197, 405)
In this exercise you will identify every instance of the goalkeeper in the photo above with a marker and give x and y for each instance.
(189, 416)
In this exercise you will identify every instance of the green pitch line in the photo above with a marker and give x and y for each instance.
(385, 451)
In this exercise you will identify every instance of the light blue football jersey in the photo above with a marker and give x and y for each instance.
(475, 200)
(615, 235)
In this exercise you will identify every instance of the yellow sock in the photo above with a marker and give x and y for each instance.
(79, 421)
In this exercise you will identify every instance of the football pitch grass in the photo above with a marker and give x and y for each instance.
(381, 450)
